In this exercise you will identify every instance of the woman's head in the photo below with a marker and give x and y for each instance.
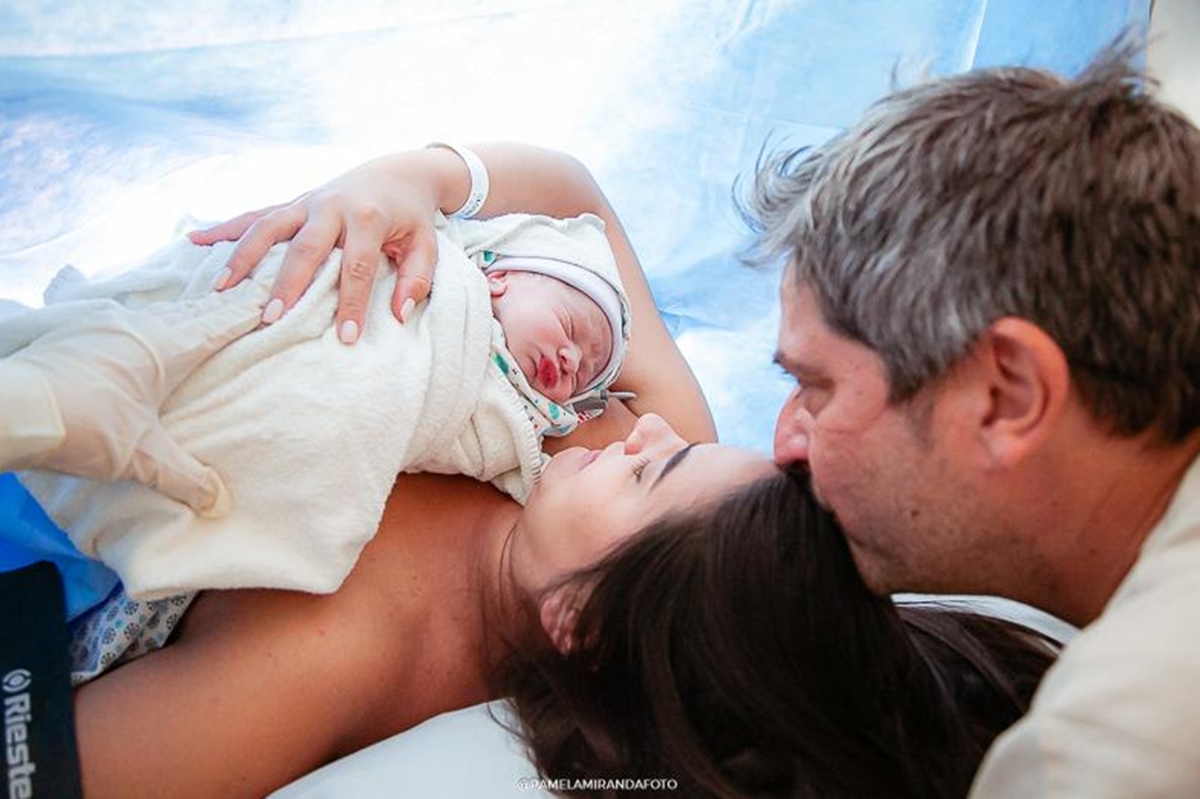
(735, 649)
(588, 501)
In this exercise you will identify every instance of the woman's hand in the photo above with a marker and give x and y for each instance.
(386, 205)
(389, 204)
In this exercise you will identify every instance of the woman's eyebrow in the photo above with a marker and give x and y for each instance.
(671, 463)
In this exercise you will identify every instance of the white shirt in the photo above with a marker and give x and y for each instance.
(1119, 714)
(29, 420)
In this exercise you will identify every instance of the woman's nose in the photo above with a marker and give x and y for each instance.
(651, 433)
(792, 430)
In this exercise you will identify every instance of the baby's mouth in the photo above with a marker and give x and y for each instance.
(547, 373)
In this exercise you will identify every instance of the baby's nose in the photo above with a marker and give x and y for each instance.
(568, 358)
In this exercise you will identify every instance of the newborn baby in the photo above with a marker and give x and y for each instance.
(562, 331)
(525, 328)
(561, 337)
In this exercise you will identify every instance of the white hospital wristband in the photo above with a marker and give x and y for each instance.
(477, 196)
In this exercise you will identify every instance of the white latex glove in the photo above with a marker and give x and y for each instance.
(110, 371)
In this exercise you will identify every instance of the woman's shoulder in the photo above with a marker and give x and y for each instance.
(439, 505)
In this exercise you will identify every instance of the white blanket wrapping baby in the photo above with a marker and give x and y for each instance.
(309, 434)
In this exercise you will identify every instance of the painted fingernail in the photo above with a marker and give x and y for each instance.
(348, 332)
(222, 279)
(273, 311)
(406, 308)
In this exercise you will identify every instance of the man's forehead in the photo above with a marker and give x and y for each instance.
(803, 333)
(797, 295)
(811, 350)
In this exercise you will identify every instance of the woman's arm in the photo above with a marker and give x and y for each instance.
(254, 694)
(388, 204)
(263, 686)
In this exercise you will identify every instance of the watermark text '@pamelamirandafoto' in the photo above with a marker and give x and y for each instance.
(598, 784)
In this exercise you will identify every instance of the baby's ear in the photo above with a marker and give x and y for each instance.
(498, 282)
(558, 616)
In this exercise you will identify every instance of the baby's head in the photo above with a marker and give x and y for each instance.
(562, 324)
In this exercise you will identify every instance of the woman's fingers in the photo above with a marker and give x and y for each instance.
(310, 246)
(365, 231)
(348, 214)
(230, 229)
(414, 264)
(277, 226)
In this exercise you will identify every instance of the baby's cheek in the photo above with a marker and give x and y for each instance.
(530, 377)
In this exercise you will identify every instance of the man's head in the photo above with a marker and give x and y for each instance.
(978, 261)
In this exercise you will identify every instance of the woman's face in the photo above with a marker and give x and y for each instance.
(588, 501)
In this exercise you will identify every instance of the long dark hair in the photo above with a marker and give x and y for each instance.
(737, 651)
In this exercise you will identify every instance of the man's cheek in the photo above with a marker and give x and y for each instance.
(827, 464)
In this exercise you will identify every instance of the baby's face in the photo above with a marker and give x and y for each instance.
(559, 337)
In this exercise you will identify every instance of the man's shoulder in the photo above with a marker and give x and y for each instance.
(1131, 675)
(1118, 714)
(1140, 638)
(1165, 579)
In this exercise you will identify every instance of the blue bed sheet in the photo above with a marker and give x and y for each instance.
(27, 535)
(116, 124)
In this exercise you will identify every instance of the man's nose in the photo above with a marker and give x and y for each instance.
(792, 430)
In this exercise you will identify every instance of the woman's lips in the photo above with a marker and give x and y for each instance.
(587, 459)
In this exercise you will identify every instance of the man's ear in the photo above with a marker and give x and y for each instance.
(497, 282)
(558, 614)
(1028, 383)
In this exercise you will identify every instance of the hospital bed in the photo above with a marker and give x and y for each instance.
(120, 127)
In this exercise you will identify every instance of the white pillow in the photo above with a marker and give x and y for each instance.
(460, 755)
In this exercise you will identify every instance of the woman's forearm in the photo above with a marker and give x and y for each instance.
(523, 178)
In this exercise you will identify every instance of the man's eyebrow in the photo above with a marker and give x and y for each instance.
(791, 366)
(671, 463)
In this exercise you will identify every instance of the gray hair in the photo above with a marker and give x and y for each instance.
(1008, 192)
